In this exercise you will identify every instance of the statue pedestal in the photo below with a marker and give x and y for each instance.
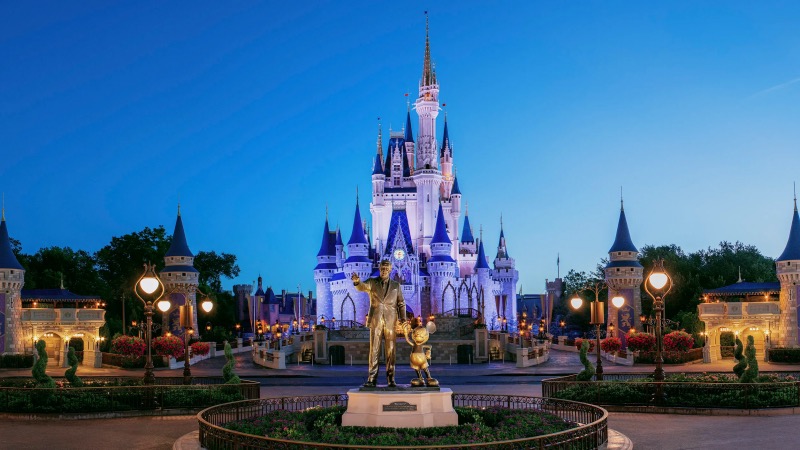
(399, 408)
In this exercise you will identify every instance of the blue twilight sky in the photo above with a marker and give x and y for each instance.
(257, 114)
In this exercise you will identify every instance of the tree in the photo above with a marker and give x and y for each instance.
(49, 266)
(213, 267)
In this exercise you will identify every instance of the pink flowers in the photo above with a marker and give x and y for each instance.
(168, 346)
(128, 346)
(200, 348)
(611, 345)
(678, 341)
(641, 342)
(579, 342)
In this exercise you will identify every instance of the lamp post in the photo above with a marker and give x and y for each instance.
(238, 330)
(597, 318)
(661, 284)
(150, 290)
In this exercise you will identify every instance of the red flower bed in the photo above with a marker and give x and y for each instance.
(678, 341)
(641, 342)
(611, 345)
(168, 346)
(579, 343)
(128, 346)
(200, 348)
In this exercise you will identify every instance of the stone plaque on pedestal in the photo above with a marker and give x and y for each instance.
(400, 408)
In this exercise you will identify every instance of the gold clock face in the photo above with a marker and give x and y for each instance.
(399, 254)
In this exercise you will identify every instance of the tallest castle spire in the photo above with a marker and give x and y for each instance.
(428, 70)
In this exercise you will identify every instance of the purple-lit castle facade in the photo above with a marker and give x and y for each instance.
(416, 208)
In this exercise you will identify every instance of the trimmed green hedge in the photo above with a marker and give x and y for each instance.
(670, 357)
(16, 361)
(785, 355)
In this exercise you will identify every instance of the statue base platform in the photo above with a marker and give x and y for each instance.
(400, 407)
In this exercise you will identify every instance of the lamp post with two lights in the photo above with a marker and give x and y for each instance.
(150, 290)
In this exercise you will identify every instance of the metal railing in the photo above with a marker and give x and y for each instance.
(637, 390)
(591, 431)
(124, 394)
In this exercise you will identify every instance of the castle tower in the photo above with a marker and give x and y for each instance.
(244, 310)
(442, 268)
(427, 106)
(357, 261)
(624, 277)
(408, 137)
(12, 278)
(326, 266)
(482, 272)
(554, 289)
(506, 273)
(446, 157)
(340, 256)
(467, 248)
(788, 268)
(180, 278)
(378, 206)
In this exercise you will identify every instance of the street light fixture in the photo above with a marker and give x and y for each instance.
(149, 289)
(187, 321)
(618, 301)
(658, 286)
(597, 318)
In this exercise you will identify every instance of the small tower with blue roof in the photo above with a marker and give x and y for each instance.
(788, 268)
(483, 272)
(507, 275)
(378, 172)
(624, 275)
(325, 268)
(180, 278)
(12, 275)
(442, 268)
(357, 261)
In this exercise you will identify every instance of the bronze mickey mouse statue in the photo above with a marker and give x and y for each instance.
(420, 355)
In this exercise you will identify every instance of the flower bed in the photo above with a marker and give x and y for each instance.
(611, 345)
(680, 390)
(323, 425)
(200, 348)
(670, 357)
(579, 343)
(168, 346)
(18, 395)
(641, 342)
(128, 346)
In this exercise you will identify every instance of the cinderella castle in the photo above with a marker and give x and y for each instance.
(416, 206)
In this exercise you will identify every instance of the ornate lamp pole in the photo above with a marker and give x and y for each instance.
(150, 290)
(597, 316)
(661, 284)
(188, 330)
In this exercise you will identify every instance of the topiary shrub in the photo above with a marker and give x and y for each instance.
(751, 373)
(38, 371)
(72, 359)
(588, 372)
(227, 371)
(741, 365)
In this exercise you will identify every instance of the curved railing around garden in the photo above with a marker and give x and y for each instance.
(636, 390)
(591, 432)
(123, 394)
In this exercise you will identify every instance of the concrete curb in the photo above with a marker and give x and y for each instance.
(765, 412)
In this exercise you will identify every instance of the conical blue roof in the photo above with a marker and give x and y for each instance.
(179, 247)
(440, 234)
(377, 168)
(482, 263)
(406, 167)
(455, 190)
(445, 139)
(325, 247)
(338, 237)
(7, 258)
(357, 236)
(623, 242)
(792, 250)
(466, 233)
(409, 137)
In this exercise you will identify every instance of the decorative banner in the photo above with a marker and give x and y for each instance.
(175, 315)
(625, 316)
(2, 323)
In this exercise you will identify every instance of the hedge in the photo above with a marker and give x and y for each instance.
(16, 361)
(785, 355)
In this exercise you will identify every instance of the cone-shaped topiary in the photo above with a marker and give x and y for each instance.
(738, 369)
(751, 373)
(38, 371)
(72, 359)
(227, 371)
(588, 372)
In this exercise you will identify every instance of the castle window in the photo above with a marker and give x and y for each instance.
(12, 272)
(183, 274)
(617, 269)
(619, 253)
(182, 258)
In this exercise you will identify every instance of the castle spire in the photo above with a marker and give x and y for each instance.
(428, 73)
(409, 135)
(482, 263)
(357, 236)
(440, 234)
(325, 247)
(623, 242)
(445, 140)
(7, 258)
(792, 250)
(179, 247)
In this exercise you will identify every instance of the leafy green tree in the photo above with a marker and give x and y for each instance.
(213, 267)
(49, 266)
(588, 369)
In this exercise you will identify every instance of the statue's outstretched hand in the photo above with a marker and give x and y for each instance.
(356, 279)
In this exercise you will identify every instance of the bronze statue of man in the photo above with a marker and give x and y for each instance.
(386, 307)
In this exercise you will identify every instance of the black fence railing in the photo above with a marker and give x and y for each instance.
(590, 433)
(636, 390)
(124, 394)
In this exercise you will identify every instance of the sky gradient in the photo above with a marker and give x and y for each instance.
(257, 115)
